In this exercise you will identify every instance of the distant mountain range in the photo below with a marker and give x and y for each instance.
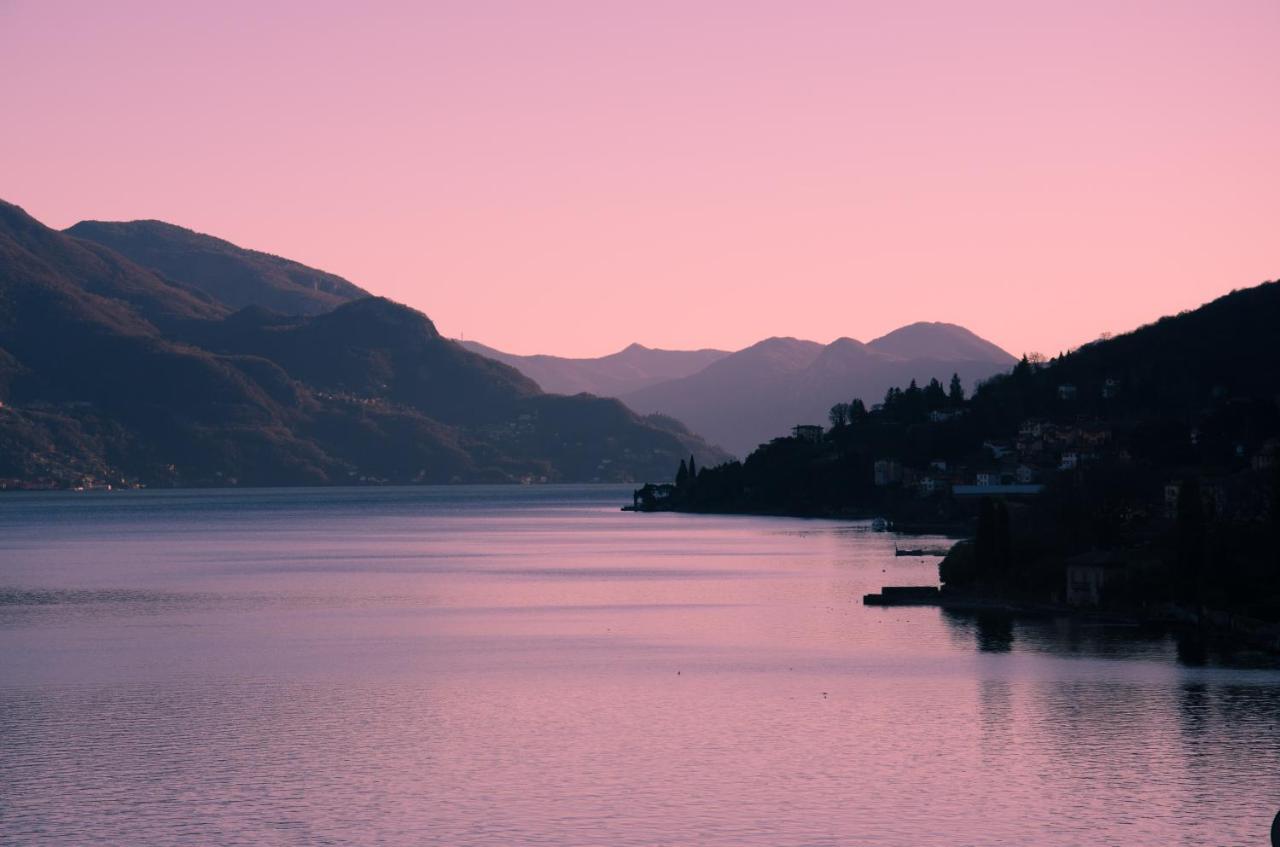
(143, 367)
(614, 375)
(739, 400)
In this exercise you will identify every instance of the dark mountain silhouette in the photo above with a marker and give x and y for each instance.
(231, 275)
(110, 371)
(618, 373)
(755, 394)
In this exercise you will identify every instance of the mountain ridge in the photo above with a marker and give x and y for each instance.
(112, 372)
(233, 275)
(761, 391)
(633, 367)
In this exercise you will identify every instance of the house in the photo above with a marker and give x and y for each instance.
(1025, 474)
(1031, 428)
(931, 485)
(1172, 491)
(649, 496)
(1266, 458)
(1089, 574)
(1066, 391)
(1094, 437)
(986, 479)
(938, 465)
(1110, 388)
(807, 432)
(1213, 498)
(887, 472)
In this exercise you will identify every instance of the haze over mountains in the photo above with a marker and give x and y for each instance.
(739, 400)
(614, 375)
(761, 392)
(113, 371)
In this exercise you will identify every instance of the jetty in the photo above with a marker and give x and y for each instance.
(904, 595)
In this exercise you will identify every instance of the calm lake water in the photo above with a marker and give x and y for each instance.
(508, 666)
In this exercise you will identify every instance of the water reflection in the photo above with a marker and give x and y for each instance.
(535, 667)
(1000, 632)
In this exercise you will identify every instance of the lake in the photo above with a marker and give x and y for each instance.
(509, 666)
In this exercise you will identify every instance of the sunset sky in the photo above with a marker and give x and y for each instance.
(571, 177)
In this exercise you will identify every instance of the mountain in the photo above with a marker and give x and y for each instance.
(759, 393)
(231, 275)
(618, 373)
(111, 371)
(940, 341)
(91, 282)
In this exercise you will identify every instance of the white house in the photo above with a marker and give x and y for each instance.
(887, 472)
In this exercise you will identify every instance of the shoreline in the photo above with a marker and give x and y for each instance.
(957, 530)
(1210, 624)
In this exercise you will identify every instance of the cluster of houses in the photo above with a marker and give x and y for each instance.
(1015, 467)
(1234, 498)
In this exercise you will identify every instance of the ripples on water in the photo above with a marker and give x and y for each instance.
(531, 666)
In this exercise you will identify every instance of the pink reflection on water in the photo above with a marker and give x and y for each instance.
(405, 669)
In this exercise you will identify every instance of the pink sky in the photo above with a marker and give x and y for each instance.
(570, 177)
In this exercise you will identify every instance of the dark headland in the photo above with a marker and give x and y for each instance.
(1136, 478)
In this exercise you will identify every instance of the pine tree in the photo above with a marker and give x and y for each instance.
(693, 469)
(956, 394)
(934, 395)
(682, 475)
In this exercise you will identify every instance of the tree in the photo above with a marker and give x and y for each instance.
(682, 475)
(693, 469)
(911, 403)
(839, 415)
(992, 541)
(857, 410)
(934, 395)
(956, 394)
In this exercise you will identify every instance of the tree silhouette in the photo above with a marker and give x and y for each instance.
(956, 393)
(935, 397)
(839, 415)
